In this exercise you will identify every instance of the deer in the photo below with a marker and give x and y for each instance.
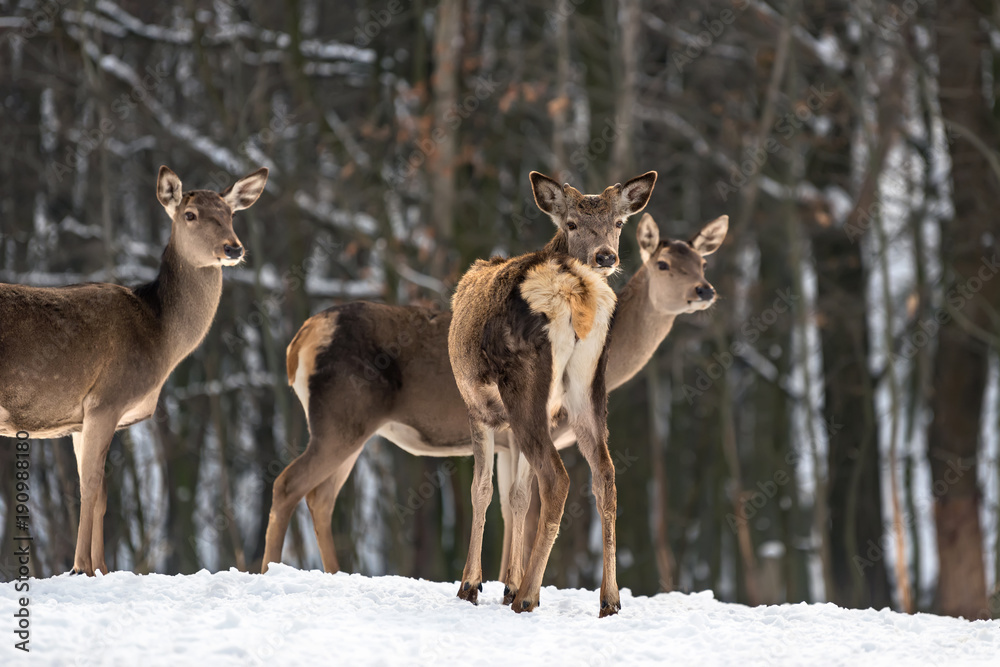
(670, 282)
(527, 346)
(411, 399)
(87, 360)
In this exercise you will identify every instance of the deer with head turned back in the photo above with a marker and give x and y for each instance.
(87, 360)
(413, 401)
(527, 345)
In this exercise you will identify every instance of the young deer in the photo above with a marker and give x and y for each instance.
(670, 282)
(527, 345)
(410, 396)
(90, 359)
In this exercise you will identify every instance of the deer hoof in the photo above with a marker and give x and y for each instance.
(523, 605)
(610, 608)
(508, 595)
(469, 592)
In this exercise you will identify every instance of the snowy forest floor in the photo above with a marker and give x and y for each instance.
(295, 617)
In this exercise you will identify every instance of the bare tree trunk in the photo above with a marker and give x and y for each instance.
(560, 105)
(658, 434)
(854, 492)
(622, 155)
(444, 137)
(960, 366)
(739, 496)
(898, 520)
(182, 469)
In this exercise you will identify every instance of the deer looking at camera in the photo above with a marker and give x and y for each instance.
(670, 282)
(362, 369)
(527, 345)
(90, 359)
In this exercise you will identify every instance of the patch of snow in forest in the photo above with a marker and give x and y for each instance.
(290, 616)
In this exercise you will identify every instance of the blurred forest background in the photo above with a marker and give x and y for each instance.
(844, 448)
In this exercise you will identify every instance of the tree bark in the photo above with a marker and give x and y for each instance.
(622, 156)
(444, 137)
(854, 490)
(969, 242)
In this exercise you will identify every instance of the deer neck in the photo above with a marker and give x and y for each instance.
(638, 330)
(558, 244)
(184, 298)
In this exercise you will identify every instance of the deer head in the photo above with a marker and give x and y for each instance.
(592, 223)
(202, 228)
(676, 269)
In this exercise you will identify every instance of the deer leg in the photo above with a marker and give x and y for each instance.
(320, 460)
(594, 448)
(91, 449)
(78, 454)
(520, 497)
(97, 538)
(321, 501)
(504, 481)
(553, 487)
(482, 493)
(530, 428)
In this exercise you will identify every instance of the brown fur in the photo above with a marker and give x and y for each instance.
(314, 335)
(90, 359)
(292, 352)
(526, 342)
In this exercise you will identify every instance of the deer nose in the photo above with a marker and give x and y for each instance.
(606, 259)
(704, 292)
(233, 251)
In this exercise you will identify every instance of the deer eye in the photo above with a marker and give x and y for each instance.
(190, 216)
(620, 224)
(663, 266)
(570, 226)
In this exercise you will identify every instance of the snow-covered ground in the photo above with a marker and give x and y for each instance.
(294, 617)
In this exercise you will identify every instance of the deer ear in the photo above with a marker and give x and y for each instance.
(244, 192)
(635, 194)
(648, 235)
(711, 236)
(168, 190)
(549, 195)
